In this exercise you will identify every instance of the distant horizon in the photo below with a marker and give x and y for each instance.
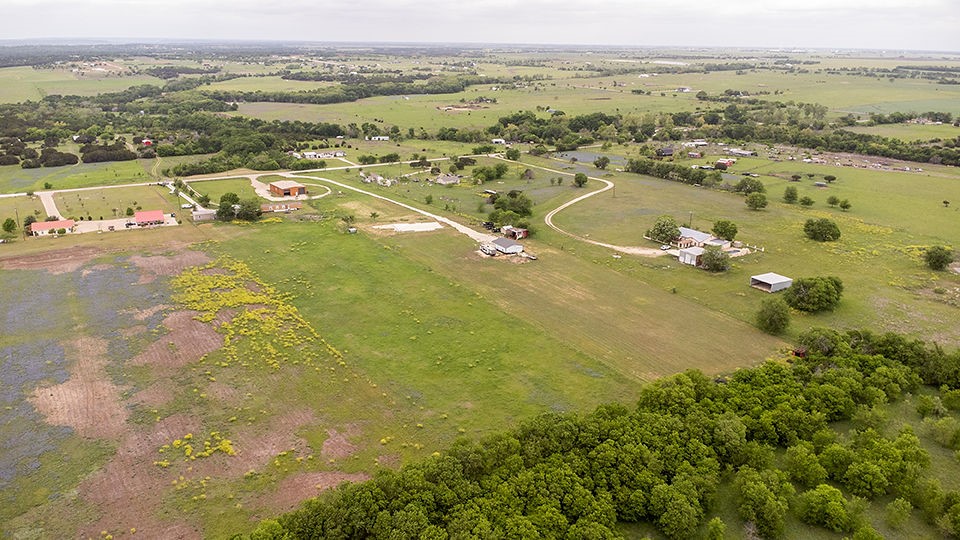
(120, 40)
(881, 25)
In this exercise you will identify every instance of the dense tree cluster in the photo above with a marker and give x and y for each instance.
(568, 475)
(814, 293)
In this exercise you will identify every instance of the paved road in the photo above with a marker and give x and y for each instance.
(49, 206)
(475, 235)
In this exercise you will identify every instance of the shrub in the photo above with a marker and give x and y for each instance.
(756, 200)
(938, 257)
(774, 316)
(790, 195)
(821, 230)
(806, 201)
(715, 259)
(814, 294)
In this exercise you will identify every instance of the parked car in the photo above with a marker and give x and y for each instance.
(665, 247)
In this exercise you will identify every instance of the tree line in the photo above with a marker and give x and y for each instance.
(663, 460)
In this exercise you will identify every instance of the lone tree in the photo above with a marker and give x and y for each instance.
(937, 257)
(580, 179)
(845, 205)
(774, 316)
(512, 154)
(725, 229)
(806, 201)
(9, 225)
(821, 230)
(830, 178)
(665, 229)
(833, 200)
(715, 259)
(790, 195)
(795, 178)
(601, 162)
(750, 185)
(756, 201)
(814, 294)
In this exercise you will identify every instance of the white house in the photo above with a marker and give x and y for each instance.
(498, 141)
(691, 255)
(770, 282)
(507, 246)
(380, 138)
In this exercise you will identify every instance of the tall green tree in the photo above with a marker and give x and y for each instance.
(665, 229)
(725, 229)
(938, 257)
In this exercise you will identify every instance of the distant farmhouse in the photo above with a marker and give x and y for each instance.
(447, 180)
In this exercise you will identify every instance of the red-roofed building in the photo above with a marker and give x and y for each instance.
(43, 228)
(149, 217)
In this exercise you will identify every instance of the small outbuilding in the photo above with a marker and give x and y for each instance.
(447, 180)
(267, 208)
(287, 188)
(203, 214)
(770, 282)
(149, 217)
(665, 152)
(516, 233)
(507, 246)
(691, 255)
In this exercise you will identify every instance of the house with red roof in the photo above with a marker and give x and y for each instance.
(149, 217)
(44, 228)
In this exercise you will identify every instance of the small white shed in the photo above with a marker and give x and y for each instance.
(691, 255)
(770, 282)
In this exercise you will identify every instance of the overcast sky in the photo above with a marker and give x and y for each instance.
(878, 24)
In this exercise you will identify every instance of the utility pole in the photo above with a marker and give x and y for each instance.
(690, 223)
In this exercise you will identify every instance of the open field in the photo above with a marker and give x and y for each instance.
(25, 83)
(911, 132)
(10, 206)
(13, 179)
(113, 202)
(217, 188)
(878, 256)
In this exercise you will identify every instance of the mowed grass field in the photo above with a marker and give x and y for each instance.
(217, 188)
(911, 132)
(113, 202)
(26, 83)
(879, 256)
(14, 179)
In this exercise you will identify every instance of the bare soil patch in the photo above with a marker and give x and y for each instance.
(256, 446)
(56, 262)
(88, 402)
(157, 394)
(167, 265)
(129, 489)
(338, 444)
(391, 461)
(297, 488)
(187, 341)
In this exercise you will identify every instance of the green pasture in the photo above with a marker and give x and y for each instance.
(26, 83)
(911, 132)
(13, 179)
(23, 206)
(217, 188)
(879, 256)
(113, 202)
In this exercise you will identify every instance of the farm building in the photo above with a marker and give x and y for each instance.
(770, 282)
(149, 217)
(514, 232)
(507, 246)
(665, 152)
(380, 138)
(691, 255)
(726, 162)
(370, 178)
(498, 141)
(266, 208)
(447, 180)
(43, 228)
(287, 188)
(741, 152)
(203, 214)
(694, 155)
(692, 238)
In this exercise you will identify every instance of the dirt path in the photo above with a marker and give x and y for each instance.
(475, 235)
(608, 185)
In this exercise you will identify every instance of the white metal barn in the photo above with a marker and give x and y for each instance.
(770, 282)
